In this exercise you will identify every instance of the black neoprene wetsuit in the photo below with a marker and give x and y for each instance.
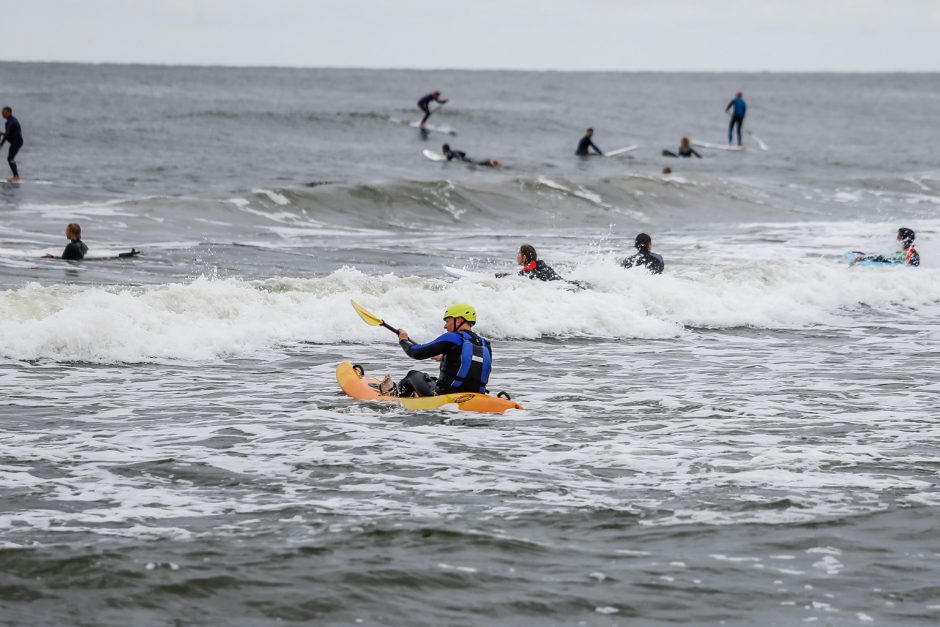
(584, 145)
(646, 258)
(75, 250)
(13, 134)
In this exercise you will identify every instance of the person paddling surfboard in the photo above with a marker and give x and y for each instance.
(460, 155)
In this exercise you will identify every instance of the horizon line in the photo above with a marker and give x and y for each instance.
(457, 69)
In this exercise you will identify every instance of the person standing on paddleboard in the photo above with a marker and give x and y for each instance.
(13, 134)
(586, 144)
(425, 104)
(737, 116)
(645, 257)
(465, 358)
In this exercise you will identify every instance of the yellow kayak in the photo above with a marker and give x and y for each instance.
(352, 379)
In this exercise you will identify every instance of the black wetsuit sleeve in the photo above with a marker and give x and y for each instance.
(594, 146)
(425, 351)
(694, 152)
(728, 108)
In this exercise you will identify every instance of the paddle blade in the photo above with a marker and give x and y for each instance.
(368, 318)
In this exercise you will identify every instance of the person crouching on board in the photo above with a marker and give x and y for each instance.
(425, 104)
(685, 150)
(532, 266)
(465, 358)
(75, 250)
(586, 143)
(907, 255)
(644, 257)
(460, 155)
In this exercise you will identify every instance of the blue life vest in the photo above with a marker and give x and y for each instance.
(475, 362)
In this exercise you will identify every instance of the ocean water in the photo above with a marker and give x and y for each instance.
(750, 438)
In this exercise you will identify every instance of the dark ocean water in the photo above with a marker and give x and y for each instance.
(749, 439)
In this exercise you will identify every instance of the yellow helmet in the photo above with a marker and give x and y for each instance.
(461, 310)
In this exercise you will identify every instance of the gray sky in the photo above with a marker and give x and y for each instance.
(704, 35)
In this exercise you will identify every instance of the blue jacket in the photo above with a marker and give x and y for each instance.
(740, 107)
(465, 364)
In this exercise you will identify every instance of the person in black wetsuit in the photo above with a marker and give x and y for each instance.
(459, 155)
(685, 150)
(75, 250)
(645, 256)
(13, 134)
(586, 144)
(737, 116)
(532, 266)
(466, 358)
(425, 104)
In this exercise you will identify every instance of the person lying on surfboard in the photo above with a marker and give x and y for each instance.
(460, 155)
(644, 257)
(586, 143)
(685, 150)
(907, 255)
(532, 266)
(425, 104)
(465, 358)
(76, 249)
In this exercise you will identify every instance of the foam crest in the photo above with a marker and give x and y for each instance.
(209, 319)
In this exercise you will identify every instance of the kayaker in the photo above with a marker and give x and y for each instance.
(465, 358)
(532, 266)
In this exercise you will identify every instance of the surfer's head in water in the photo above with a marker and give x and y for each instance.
(73, 232)
(445, 148)
(526, 255)
(686, 141)
(643, 242)
(667, 170)
(906, 237)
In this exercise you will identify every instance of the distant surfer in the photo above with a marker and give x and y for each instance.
(685, 150)
(425, 105)
(459, 155)
(644, 256)
(76, 249)
(907, 255)
(586, 143)
(465, 358)
(737, 115)
(532, 266)
(12, 134)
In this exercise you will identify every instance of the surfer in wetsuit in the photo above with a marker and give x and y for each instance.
(532, 266)
(586, 144)
(645, 256)
(907, 255)
(76, 249)
(425, 104)
(13, 134)
(465, 358)
(685, 150)
(737, 116)
(459, 155)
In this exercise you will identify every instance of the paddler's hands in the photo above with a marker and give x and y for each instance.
(403, 336)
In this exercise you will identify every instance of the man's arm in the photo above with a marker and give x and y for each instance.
(594, 146)
(436, 347)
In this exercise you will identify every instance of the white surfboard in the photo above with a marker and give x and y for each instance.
(731, 147)
(433, 156)
(621, 151)
(458, 273)
(446, 130)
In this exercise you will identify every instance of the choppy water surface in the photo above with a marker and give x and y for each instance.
(750, 438)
